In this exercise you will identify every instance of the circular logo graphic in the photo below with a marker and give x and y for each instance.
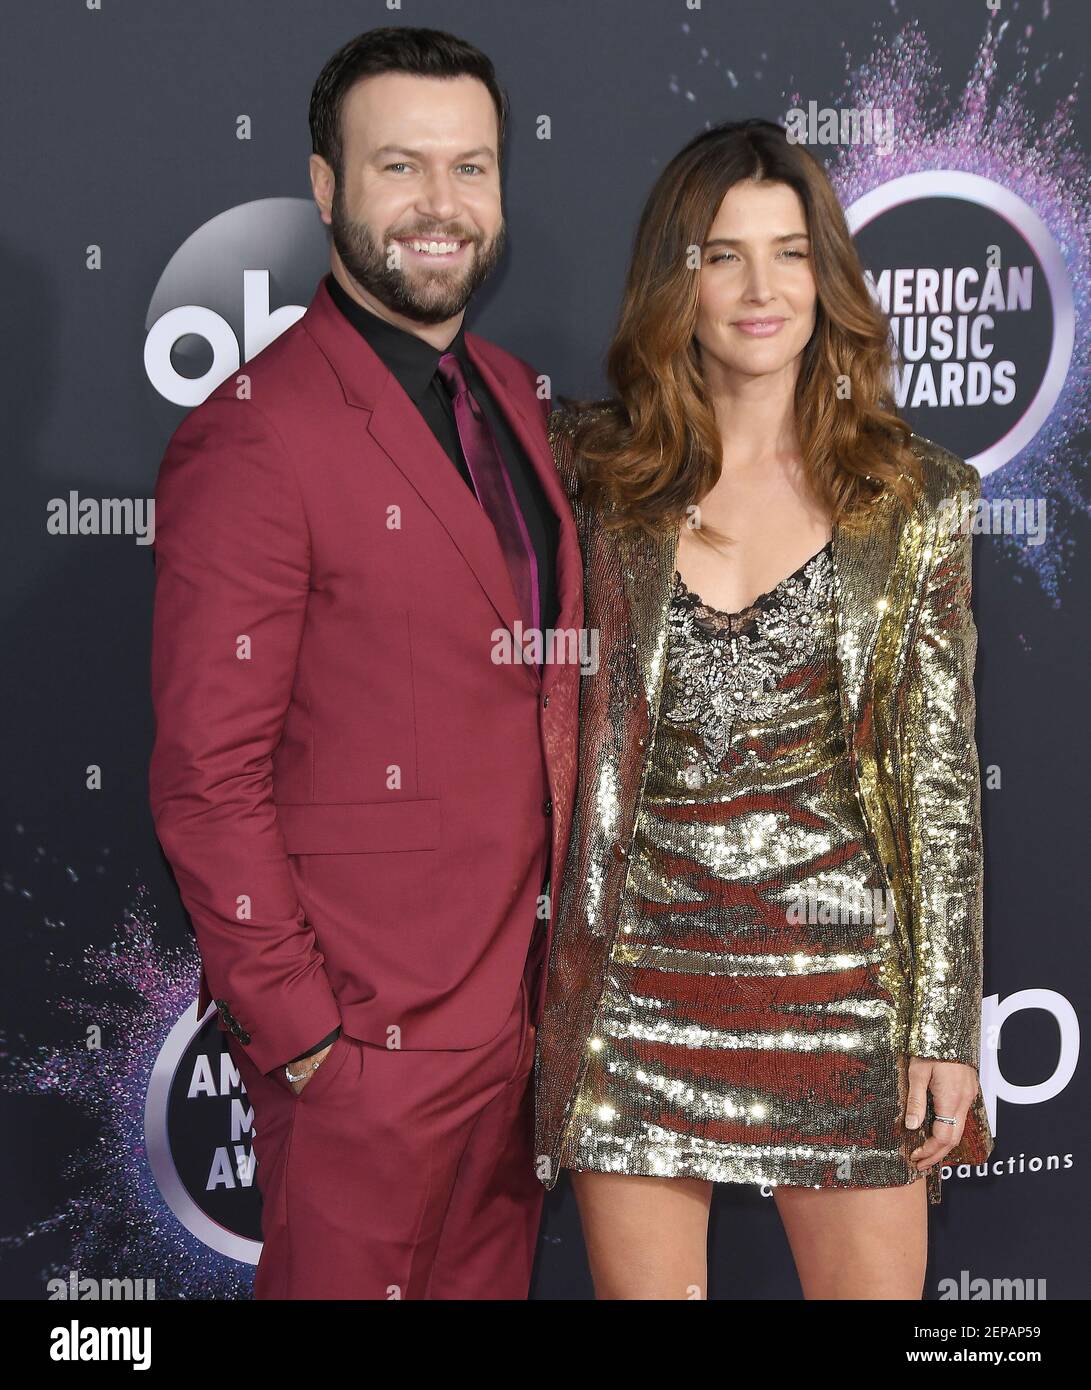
(198, 1126)
(213, 306)
(980, 304)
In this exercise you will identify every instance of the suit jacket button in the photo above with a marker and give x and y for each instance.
(547, 806)
(619, 850)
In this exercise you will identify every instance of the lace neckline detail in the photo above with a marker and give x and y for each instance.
(720, 619)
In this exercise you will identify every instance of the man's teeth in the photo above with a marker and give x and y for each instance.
(434, 248)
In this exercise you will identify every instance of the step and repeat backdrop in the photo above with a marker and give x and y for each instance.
(158, 232)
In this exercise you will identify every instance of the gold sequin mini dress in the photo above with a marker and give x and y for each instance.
(745, 1033)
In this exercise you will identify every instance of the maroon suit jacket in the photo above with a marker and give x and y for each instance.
(356, 800)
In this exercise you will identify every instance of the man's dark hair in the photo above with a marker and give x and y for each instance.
(421, 52)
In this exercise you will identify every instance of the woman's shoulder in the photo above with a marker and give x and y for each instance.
(570, 415)
(563, 426)
(943, 475)
(560, 429)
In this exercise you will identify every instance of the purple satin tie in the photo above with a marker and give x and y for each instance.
(494, 490)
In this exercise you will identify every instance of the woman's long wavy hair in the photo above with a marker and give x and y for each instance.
(653, 451)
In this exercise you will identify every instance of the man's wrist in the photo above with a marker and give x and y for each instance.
(329, 1038)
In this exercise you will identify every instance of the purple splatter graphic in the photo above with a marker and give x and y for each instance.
(995, 134)
(131, 991)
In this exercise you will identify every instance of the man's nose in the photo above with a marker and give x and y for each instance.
(438, 198)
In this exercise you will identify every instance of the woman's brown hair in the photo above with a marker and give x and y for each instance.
(653, 450)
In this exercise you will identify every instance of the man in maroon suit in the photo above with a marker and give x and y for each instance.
(363, 799)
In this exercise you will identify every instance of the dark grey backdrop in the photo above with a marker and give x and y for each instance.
(121, 133)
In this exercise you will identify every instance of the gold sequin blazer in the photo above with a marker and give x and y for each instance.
(906, 644)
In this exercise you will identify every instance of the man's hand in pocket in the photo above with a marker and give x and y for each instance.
(307, 1065)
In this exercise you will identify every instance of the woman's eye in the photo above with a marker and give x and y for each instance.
(791, 253)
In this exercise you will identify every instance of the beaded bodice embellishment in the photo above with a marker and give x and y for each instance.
(726, 668)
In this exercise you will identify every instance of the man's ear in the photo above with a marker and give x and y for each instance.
(323, 185)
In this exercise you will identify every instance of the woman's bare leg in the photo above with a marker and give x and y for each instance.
(646, 1238)
(854, 1242)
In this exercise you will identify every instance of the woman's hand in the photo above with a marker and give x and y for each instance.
(954, 1086)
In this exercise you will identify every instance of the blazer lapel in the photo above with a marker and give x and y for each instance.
(862, 567)
(648, 567)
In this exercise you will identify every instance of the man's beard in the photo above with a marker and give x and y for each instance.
(440, 295)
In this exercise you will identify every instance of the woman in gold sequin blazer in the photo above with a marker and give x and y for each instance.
(737, 754)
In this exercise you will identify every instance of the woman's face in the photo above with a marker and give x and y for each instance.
(757, 303)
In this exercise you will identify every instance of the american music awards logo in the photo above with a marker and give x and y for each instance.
(981, 308)
(199, 1128)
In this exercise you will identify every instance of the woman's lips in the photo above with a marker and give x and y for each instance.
(760, 328)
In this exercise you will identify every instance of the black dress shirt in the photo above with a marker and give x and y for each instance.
(414, 363)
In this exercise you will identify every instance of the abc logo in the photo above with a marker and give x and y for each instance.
(211, 310)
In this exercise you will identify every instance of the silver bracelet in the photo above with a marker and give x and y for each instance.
(313, 1067)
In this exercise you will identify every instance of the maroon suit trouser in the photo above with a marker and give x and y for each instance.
(402, 1173)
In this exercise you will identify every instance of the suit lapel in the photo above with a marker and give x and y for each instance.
(396, 427)
(535, 441)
